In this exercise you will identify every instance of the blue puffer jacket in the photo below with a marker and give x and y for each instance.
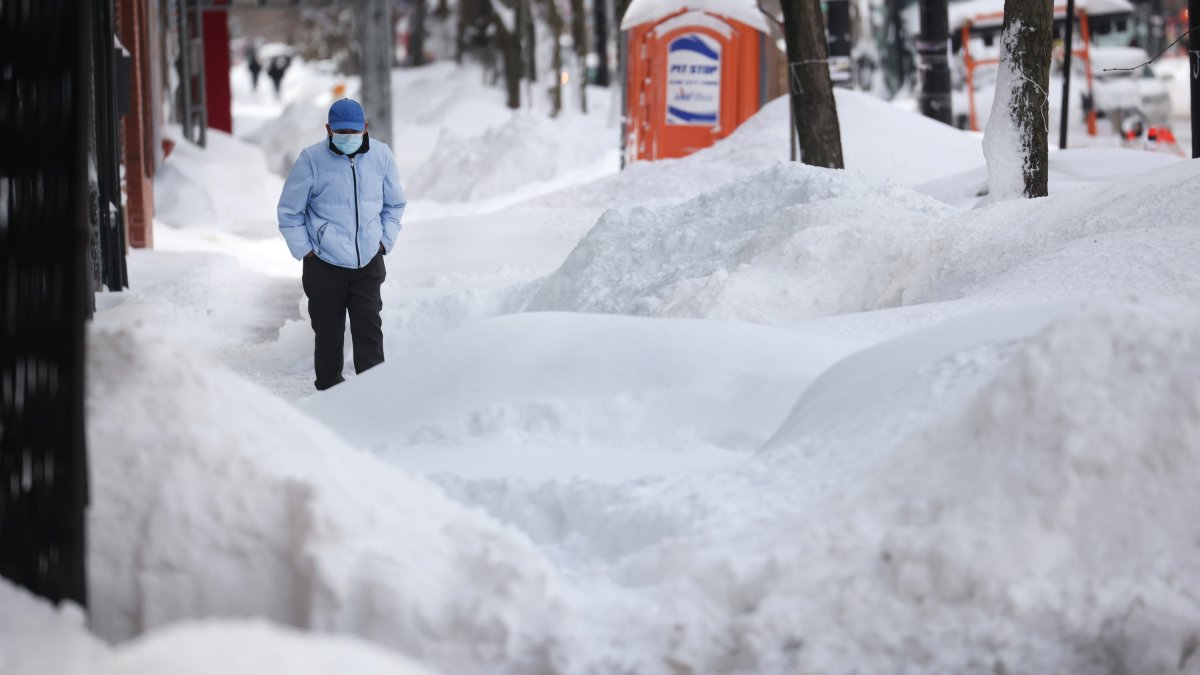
(342, 207)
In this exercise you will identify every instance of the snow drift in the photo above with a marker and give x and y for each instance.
(796, 242)
(207, 187)
(591, 388)
(996, 498)
(36, 639)
(214, 499)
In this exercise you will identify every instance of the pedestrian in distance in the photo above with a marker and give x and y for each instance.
(253, 65)
(340, 213)
(276, 70)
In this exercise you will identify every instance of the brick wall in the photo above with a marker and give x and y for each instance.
(138, 127)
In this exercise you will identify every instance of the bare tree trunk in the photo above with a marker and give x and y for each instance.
(813, 105)
(416, 33)
(556, 28)
(460, 32)
(601, 9)
(528, 38)
(579, 37)
(510, 51)
(1019, 124)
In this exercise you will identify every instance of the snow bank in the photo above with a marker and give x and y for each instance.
(36, 639)
(297, 126)
(212, 498)
(789, 243)
(659, 394)
(528, 148)
(252, 648)
(796, 242)
(988, 507)
(879, 140)
(207, 187)
(1070, 169)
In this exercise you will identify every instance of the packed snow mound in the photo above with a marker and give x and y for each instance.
(36, 638)
(797, 242)
(992, 501)
(212, 498)
(789, 243)
(300, 124)
(529, 148)
(447, 95)
(1103, 240)
(882, 140)
(206, 187)
(252, 648)
(1069, 170)
(664, 387)
(879, 140)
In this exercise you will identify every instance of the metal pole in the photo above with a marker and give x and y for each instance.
(1193, 62)
(840, 42)
(377, 42)
(1068, 37)
(933, 49)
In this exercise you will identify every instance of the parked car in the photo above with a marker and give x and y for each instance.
(1123, 84)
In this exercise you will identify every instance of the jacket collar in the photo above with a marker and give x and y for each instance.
(366, 145)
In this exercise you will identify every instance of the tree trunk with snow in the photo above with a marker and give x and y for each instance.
(813, 105)
(1016, 139)
(579, 38)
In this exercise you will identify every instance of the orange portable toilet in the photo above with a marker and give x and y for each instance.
(695, 70)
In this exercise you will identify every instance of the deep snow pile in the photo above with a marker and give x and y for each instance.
(966, 499)
(1039, 516)
(879, 140)
(209, 186)
(796, 242)
(36, 639)
(529, 148)
(222, 500)
(560, 395)
(772, 248)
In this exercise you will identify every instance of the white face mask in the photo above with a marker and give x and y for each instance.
(347, 144)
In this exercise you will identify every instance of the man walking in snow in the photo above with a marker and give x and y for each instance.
(340, 213)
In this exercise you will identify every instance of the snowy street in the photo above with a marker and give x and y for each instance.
(719, 414)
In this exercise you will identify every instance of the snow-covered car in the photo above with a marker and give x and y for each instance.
(1122, 84)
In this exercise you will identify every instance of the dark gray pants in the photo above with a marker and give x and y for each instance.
(333, 292)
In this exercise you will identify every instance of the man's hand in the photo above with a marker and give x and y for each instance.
(382, 249)
(310, 254)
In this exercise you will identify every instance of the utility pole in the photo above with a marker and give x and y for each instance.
(600, 9)
(376, 39)
(1068, 36)
(1193, 60)
(840, 42)
(933, 50)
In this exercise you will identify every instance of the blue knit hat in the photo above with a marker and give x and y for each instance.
(346, 114)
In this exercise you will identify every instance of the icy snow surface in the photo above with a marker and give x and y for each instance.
(765, 418)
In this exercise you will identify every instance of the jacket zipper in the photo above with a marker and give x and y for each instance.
(357, 251)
